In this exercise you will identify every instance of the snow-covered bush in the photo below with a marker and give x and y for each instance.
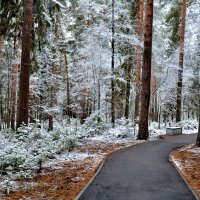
(8, 186)
(71, 144)
(95, 125)
(189, 124)
(23, 152)
(124, 128)
(123, 122)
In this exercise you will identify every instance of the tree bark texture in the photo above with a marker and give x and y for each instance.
(15, 69)
(67, 85)
(113, 66)
(154, 109)
(13, 87)
(52, 90)
(146, 72)
(8, 100)
(14, 80)
(54, 72)
(85, 105)
(128, 88)
(22, 115)
(139, 59)
(198, 135)
(99, 95)
(180, 70)
(1, 110)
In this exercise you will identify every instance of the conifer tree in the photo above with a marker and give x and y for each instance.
(180, 69)
(146, 72)
(139, 59)
(23, 104)
(113, 65)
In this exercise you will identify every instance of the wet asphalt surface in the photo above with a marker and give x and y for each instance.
(141, 172)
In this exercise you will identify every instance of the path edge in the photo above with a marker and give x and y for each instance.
(90, 181)
(183, 177)
(100, 167)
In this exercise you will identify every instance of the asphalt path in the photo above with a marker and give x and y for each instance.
(141, 172)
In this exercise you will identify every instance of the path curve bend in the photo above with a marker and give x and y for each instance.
(141, 172)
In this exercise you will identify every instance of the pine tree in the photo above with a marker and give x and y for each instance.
(128, 87)
(1, 98)
(15, 69)
(67, 84)
(113, 65)
(180, 70)
(54, 71)
(139, 59)
(146, 72)
(23, 104)
(173, 21)
(198, 136)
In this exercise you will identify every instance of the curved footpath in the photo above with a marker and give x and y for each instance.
(141, 172)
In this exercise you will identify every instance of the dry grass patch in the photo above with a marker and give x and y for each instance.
(65, 180)
(187, 160)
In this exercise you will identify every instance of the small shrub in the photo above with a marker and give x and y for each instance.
(56, 135)
(71, 144)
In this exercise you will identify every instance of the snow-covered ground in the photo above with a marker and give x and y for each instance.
(195, 150)
(22, 154)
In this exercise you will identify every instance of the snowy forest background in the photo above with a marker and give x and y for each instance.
(70, 80)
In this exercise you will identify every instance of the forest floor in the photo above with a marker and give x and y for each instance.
(64, 175)
(187, 159)
(63, 178)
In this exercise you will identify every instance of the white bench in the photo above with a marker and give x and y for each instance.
(173, 130)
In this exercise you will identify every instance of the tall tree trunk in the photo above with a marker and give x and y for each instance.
(113, 66)
(153, 96)
(99, 95)
(180, 70)
(128, 88)
(156, 108)
(139, 59)
(67, 85)
(94, 90)
(146, 72)
(52, 91)
(1, 60)
(8, 102)
(22, 115)
(159, 112)
(54, 70)
(14, 75)
(198, 136)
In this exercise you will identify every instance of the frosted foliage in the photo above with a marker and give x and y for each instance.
(72, 51)
(21, 154)
(168, 65)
